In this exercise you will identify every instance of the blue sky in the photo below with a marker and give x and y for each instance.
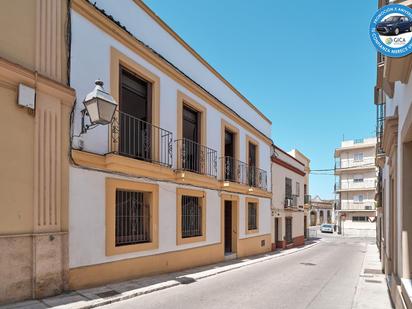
(308, 65)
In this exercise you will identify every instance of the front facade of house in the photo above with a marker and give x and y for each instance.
(355, 187)
(288, 217)
(181, 177)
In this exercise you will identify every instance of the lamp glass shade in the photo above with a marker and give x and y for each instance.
(100, 105)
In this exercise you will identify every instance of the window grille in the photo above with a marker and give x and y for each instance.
(132, 218)
(252, 216)
(191, 216)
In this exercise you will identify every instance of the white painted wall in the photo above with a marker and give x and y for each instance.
(279, 174)
(151, 33)
(87, 65)
(87, 219)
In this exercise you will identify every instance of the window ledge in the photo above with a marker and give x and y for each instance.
(190, 240)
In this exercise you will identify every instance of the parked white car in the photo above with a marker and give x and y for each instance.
(326, 228)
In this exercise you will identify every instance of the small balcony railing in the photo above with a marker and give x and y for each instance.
(291, 201)
(240, 172)
(196, 158)
(307, 199)
(141, 140)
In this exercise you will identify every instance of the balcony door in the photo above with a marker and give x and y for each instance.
(252, 164)
(134, 116)
(191, 136)
(229, 156)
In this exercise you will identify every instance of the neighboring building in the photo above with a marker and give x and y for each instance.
(180, 178)
(34, 171)
(393, 93)
(355, 187)
(306, 196)
(288, 180)
(321, 211)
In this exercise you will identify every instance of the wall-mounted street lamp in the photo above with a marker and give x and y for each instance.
(99, 106)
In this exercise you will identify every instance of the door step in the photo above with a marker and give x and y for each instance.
(230, 256)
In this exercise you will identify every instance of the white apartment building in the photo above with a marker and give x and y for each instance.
(289, 183)
(355, 187)
(180, 178)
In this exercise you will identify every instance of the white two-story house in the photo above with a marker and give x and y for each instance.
(289, 185)
(181, 175)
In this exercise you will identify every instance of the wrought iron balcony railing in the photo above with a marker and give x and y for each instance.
(240, 172)
(291, 201)
(235, 170)
(138, 139)
(196, 158)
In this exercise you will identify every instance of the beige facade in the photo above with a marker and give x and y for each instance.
(290, 189)
(355, 187)
(321, 211)
(34, 148)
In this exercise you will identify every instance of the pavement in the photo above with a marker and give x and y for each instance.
(372, 290)
(332, 272)
(117, 292)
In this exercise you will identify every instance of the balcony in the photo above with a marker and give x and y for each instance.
(350, 205)
(196, 158)
(240, 172)
(367, 184)
(366, 163)
(291, 201)
(141, 140)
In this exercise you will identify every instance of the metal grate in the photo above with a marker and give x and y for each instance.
(141, 140)
(191, 216)
(251, 216)
(240, 172)
(196, 158)
(132, 218)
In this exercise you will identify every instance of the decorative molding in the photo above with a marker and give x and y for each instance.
(47, 165)
(49, 35)
(12, 74)
(390, 134)
(288, 166)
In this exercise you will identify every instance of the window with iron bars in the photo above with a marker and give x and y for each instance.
(252, 216)
(132, 218)
(191, 216)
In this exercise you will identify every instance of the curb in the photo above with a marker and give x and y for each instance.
(195, 277)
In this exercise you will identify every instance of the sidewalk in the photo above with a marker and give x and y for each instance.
(100, 296)
(372, 291)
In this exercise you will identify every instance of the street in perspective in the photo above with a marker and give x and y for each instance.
(205, 154)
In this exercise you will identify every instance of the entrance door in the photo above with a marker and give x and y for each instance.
(228, 226)
(288, 229)
(276, 236)
(305, 226)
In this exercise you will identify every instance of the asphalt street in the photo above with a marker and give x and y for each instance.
(324, 276)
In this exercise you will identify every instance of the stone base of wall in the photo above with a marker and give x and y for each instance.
(299, 241)
(283, 244)
(33, 266)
